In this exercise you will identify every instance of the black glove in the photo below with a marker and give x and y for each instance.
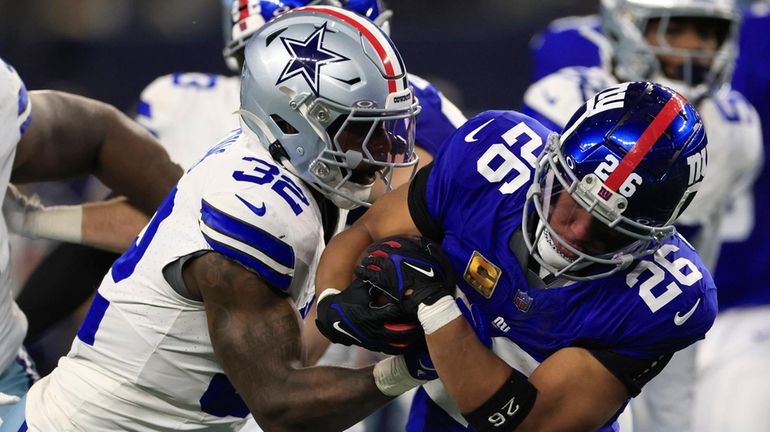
(409, 270)
(352, 318)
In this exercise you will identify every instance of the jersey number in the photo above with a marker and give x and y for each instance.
(264, 173)
(506, 162)
(683, 270)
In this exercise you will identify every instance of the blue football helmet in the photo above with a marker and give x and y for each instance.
(632, 156)
(375, 10)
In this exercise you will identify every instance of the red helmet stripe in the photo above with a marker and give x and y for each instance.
(243, 9)
(645, 142)
(387, 62)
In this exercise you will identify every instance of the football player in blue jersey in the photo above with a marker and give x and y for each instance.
(579, 287)
(691, 45)
(49, 135)
(198, 324)
(733, 386)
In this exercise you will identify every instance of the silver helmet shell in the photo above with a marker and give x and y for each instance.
(316, 75)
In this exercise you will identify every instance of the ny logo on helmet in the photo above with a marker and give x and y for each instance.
(307, 58)
(611, 98)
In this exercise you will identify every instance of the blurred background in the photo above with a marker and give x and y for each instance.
(475, 51)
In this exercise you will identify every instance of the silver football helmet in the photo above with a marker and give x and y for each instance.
(325, 89)
(625, 22)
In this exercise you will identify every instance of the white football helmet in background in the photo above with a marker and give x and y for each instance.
(325, 89)
(625, 22)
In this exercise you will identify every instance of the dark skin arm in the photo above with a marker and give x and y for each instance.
(256, 334)
(72, 135)
(575, 391)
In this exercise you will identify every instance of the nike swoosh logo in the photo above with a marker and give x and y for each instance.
(259, 211)
(338, 327)
(471, 137)
(421, 270)
(679, 320)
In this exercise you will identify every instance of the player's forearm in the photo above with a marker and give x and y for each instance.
(132, 163)
(335, 269)
(316, 398)
(470, 372)
(347, 397)
(111, 225)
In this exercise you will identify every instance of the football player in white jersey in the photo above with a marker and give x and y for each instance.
(46, 135)
(198, 323)
(188, 112)
(691, 46)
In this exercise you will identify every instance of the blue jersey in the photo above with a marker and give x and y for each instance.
(475, 195)
(570, 41)
(743, 272)
(438, 118)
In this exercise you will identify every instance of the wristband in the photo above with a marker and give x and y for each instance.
(61, 223)
(433, 317)
(327, 292)
(392, 376)
(507, 408)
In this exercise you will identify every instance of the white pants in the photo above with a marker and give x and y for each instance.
(733, 373)
(665, 404)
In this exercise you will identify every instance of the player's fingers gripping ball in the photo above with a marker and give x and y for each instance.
(408, 271)
(351, 317)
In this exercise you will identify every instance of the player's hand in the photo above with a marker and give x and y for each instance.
(7, 399)
(409, 270)
(21, 212)
(351, 317)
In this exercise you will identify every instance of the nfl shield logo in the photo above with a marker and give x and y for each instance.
(522, 301)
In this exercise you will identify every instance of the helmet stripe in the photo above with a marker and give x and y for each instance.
(358, 22)
(645, 142)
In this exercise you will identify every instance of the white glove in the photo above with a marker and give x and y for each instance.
(27, 217)
(6, 399)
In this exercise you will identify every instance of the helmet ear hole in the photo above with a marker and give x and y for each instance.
(284, 125)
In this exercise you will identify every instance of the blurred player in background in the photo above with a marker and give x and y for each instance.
(691, 46)
(48, 135)
(198, 323)
(562, 245)
(733, 363)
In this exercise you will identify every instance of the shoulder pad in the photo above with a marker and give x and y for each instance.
(557, 96)
(252, 230)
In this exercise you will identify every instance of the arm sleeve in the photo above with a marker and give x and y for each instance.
(418, 205)
(634, 373)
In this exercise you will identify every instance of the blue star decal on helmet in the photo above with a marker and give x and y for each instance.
(307, 58)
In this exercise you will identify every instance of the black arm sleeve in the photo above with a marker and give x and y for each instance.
(418, 205)
(634, 373)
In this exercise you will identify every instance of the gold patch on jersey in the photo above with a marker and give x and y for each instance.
(482, 275)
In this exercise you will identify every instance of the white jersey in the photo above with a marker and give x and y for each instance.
(15, 109)
(143, 360)
(189, 112)
(734, 143)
